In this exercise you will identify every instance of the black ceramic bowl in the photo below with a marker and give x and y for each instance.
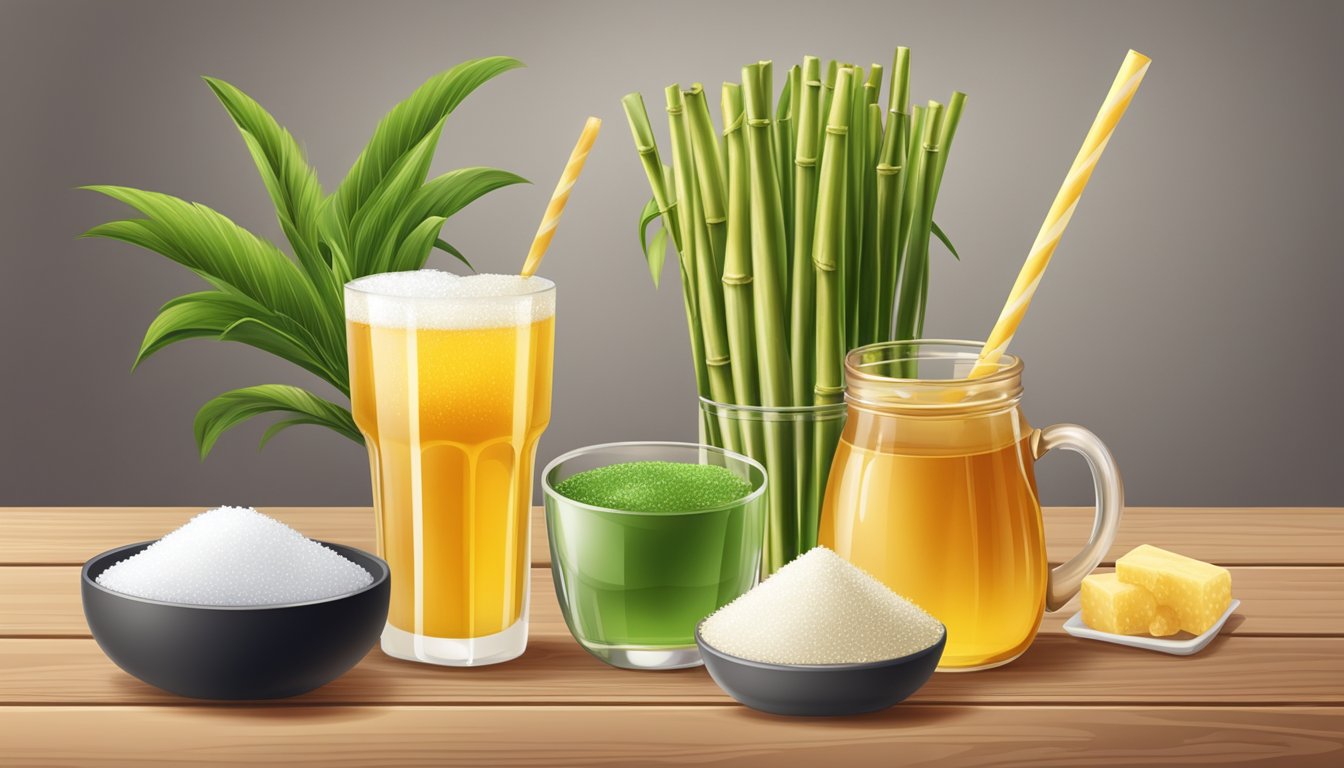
(820, 689)
(225, 652)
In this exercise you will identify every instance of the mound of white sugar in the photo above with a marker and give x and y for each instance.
(235, 556)
(430, 298)
(820, 609)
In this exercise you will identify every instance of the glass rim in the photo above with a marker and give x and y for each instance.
(546, 286)
(786, 410)
(1007, 370)
(755, 494)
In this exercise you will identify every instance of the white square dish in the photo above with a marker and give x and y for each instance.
(1075, 626)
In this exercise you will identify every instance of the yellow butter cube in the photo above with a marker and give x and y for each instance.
(1165, 622)
(1110, 605)
(1198, 592)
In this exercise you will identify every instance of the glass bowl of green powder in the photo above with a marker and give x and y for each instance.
(647, 539)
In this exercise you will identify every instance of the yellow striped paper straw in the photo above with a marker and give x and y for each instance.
(1122, 91)
(561, 196)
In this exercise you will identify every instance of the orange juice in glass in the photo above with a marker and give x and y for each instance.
(450, 383)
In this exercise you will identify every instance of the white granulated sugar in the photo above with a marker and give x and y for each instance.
(235, 556)
(820, 609)
(430, 298)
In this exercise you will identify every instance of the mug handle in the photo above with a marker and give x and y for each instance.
(1066, 579)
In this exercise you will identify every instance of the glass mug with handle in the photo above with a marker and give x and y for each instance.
(933, 491)
(450, 384)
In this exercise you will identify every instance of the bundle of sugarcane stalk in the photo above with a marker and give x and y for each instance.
(802, 233)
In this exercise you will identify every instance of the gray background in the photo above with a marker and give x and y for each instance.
(1191, 317)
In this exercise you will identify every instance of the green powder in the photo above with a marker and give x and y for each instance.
(655, 486)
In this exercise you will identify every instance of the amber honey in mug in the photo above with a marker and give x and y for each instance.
(933, 491)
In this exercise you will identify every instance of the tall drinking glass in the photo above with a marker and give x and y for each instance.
(450, 383)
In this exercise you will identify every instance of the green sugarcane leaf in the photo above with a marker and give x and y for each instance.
(262, 335)
(656, 256)
(938, 232)
(284, 424)
(646, 218)
(231, 408)
(447, 247)
(415, 247)
(227, 256)
(374, 230)
(290, 180)
(407, 125)
(447, 194)
(192, 316)
(309, 253)
(215, 314)
(334, 241)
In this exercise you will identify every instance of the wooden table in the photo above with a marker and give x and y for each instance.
(1269, 690)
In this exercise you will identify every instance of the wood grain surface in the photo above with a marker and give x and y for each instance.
(1268, 691)
(1031, 737)
(555, 670)
(1247, 536)
(44, 601)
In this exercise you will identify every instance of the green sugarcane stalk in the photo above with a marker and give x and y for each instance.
(794, 87)
(891, 172)
(683, 166)
(865, 298)
(803, 295)
(936, 160)
(946, 132)
(803, 299)
(898, 90)
(767, 243)
(708, 172)
(782, 143)
(853, 261)
(827, 96)
(766, 80)
(695, 235)
(870, 265)
(827, 254)
(914, 275)
(718, 352)
(795, 108)
(829, 245)
(638, 117)
(737, 272)
(912, 154)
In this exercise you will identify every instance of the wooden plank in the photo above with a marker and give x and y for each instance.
(71, 535)
(660, 735)
(1226, 536)
(1247, 536)
(44, 600)
(557, 671)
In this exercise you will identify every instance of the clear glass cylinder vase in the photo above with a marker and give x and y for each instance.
(795, 445)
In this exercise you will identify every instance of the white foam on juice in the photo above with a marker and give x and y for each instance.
(820, 609)
(235, 556)
(430, 298)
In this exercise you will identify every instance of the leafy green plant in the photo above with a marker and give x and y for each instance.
(384, 217)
